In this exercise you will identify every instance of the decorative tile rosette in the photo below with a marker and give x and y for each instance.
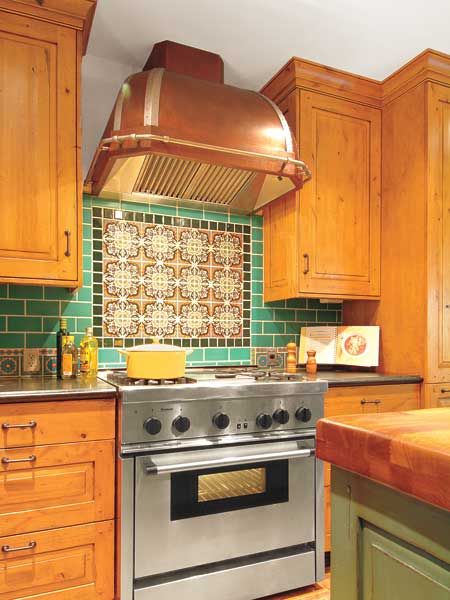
(169, 277)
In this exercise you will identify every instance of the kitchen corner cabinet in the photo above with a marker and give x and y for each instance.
(40, 186)
(324, 241)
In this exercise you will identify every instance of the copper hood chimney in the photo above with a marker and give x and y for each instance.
(179, 134)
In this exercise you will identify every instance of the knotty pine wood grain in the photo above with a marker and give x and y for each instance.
(408, 451)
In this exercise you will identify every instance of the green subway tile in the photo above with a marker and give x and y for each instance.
(257, 274)
(196, 356)
(209, 215)
(87, 200)
(262, 340)
(293, 328)
(314, 303)
(108, 355)
(84, 294)
(306, 315)
(51, 324)
(87, 278)
(257, 221)
(40, 340)
(87, 214)
(87, 232)
(277, 304)
(82, 323)
(282, 340)
(273, 327)
(257, 301)
(284, 315)
(334, 305)
(257, 248)
(87, 247)
(25, 324)
(87, 263)
(257, 261)
(263, 314)
(296, 303)
(54, 293)
(3, 290)
(257, 235)
(2, 323)
(76, 309)
(135, 206)
(190, 213)
(240, 354)
(257, 287)
(216, 354)
(12, 340)
(12, 307)
(325, 316)
(257, 327)
(241, 219)
(42, 307)
(159, 209)
(26, 291)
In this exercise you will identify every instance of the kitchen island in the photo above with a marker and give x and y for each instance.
(390, 504)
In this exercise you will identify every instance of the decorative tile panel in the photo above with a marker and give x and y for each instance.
(170, 277)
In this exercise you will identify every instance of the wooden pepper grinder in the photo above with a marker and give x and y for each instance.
(311, 363)
(291, 360)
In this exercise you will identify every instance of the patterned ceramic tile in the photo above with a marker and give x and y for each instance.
(269, 357)
(10, 365)
(167, 277)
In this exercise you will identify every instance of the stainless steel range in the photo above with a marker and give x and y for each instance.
(222, 496)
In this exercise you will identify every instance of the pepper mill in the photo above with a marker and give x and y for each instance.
(291, 360)
(311, 363)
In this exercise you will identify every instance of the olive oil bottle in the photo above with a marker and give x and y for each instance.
(69, 358)
(88, 355)
(60, 341)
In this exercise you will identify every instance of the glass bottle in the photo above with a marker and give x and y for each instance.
(60, 335)
(88, 355)
(69, 358)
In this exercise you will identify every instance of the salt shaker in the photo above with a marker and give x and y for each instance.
(291, 360)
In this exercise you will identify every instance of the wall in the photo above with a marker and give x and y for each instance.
(29, 315)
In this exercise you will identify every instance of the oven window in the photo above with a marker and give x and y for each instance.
(212, 491)
(233, 484)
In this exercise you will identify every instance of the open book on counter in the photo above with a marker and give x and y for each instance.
(353, 345)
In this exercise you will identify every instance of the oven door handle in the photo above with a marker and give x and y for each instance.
(158, 467)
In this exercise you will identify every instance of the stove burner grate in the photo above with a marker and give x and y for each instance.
(122, 378)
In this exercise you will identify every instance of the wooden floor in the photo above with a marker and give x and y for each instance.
(320, 591)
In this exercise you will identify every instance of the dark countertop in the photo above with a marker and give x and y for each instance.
(30, 389)
(358, 378)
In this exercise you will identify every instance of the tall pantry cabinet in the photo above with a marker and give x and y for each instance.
(41, 45)
(414, 308)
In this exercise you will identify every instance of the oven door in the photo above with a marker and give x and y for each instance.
(198, 507)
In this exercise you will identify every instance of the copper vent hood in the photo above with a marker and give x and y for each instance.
(179, 134)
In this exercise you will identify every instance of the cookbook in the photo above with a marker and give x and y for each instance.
(353, 345)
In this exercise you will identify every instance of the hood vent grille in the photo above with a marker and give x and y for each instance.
(173, 177)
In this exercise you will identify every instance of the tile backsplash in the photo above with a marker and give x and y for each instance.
(232, 282)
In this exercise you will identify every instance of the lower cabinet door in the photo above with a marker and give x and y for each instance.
(42, 487)
(73, 563)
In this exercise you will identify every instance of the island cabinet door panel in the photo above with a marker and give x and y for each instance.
(439, 234)
(55, 486)
(73, 563)
(38, 149)
(340, 207)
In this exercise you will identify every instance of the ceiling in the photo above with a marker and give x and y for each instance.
(255, 38)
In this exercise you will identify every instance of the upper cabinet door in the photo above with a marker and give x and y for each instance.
(340, 207)
(39, 195)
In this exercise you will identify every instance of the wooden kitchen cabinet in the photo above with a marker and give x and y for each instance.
(40, 187)
(324, 241)
(364, 399)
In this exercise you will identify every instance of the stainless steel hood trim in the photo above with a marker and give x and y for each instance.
(137, 137)
(152, 97)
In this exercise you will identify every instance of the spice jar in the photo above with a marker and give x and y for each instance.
(311, 363)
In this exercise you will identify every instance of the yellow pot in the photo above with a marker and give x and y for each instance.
(155, 361)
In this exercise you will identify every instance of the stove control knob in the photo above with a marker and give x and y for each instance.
(221, 420)
(152, 426)
(181, 424)
(281, 416)
(303, 414)
(264, 421)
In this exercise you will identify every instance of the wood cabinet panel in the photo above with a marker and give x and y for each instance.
(39, 223)
(65, 484)
(437, 395)
(63, 564)
(56, 423)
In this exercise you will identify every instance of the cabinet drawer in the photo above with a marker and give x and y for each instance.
(56, 422)
(375, 398)
(62, 564)
(437, 395)
(56, 486)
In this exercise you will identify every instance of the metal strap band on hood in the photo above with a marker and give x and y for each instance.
(152, 96)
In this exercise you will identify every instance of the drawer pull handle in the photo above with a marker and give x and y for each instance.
(445, 391)
(8, 461)
(370, 401)
(305, 264)
(30, 425)
(29, 546)
(67, 234)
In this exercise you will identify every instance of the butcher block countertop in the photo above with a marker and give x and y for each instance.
(408, 451)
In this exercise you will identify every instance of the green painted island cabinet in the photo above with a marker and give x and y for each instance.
(386, 544)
